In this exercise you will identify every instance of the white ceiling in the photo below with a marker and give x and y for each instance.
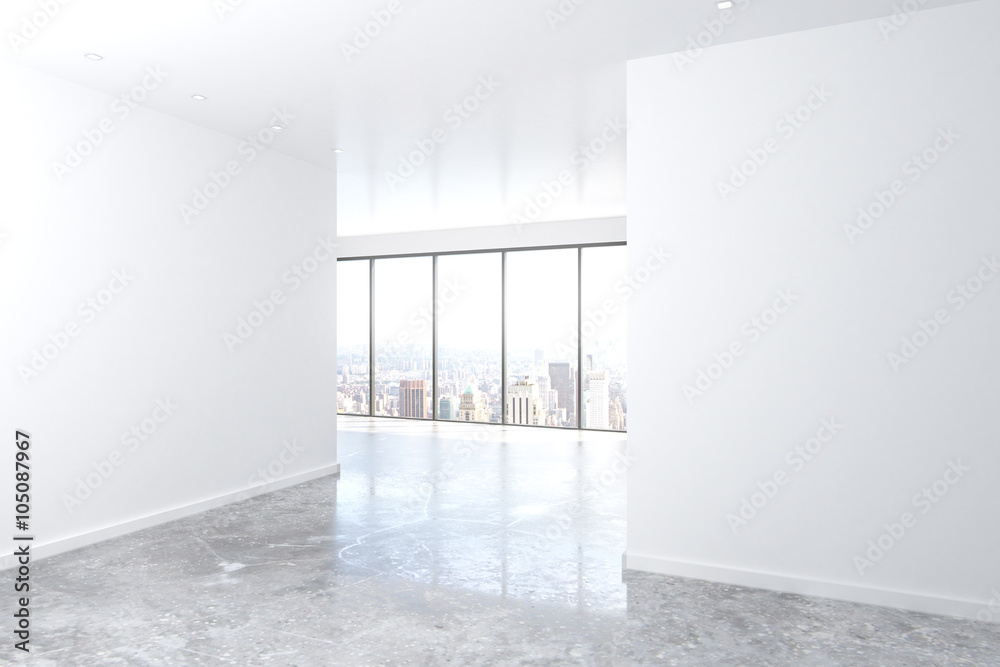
(560, 82)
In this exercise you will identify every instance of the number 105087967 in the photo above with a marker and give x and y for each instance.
(22, 477)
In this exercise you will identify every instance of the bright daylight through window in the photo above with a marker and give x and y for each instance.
(529, 337)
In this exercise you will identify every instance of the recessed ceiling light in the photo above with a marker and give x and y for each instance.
(199, 97)
(338, 150)
(727, 4)
(277, 128)
(93, 56)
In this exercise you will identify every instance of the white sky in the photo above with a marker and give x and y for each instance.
(541, 299)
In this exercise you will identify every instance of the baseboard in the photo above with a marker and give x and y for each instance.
(818, 588)
(48, 549)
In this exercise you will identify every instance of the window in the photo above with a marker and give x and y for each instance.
(602, 335)
(541, 337)
(470, 320)
(353, 361)
(403, 337)
(529, 337)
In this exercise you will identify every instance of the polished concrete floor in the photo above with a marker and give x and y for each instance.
(443, 545)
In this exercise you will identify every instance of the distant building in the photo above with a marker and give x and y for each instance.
(524, 406)
(412, 398)
(470, 409)
(563, 379)
(544, 391)
(448, 389)
(616, 416)
(449, 408)
(552, 400)
(597, 400)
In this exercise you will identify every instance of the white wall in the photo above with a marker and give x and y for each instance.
(161, 337)
(828, 355)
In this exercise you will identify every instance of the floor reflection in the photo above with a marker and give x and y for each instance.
(531, 514)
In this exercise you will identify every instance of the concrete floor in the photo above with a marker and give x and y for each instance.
(444, 545)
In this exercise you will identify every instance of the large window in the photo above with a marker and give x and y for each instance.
(470, 326)
(602, 335)
(353, 362)
(403, 327)
(528, 336)
(542, 337)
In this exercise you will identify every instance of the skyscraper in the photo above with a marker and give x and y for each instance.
(616, 416)
(562, 377)
(471, 407)
(524, 406)
(412, 398)
(553, 401)
(544, 390)
(597, 400)
(449, 408)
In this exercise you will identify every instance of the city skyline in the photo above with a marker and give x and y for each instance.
(396, 377)
(550, 325)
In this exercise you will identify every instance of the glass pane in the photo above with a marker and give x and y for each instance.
(470, 316)
(352, 337)
(603, 335)
(403, 335)
(542, 337)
